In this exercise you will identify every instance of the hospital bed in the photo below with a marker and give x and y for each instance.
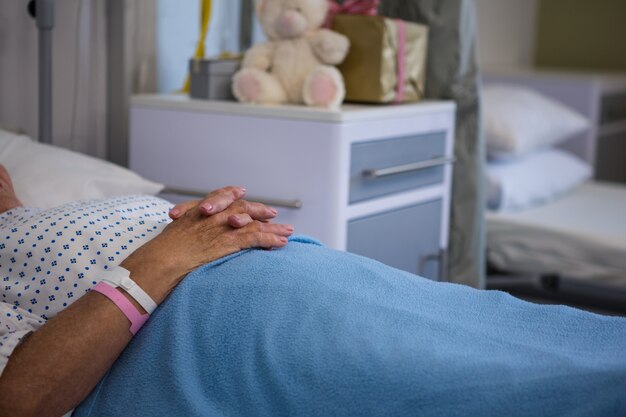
(573, 249)
(312, 331)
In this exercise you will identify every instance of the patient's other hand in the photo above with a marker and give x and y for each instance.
(8, 199)
(220, 200)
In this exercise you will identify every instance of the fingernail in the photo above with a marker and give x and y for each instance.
(284, 240)
(243, 190)
(175, 212)
(289, 229)
(207, 208)
(273, 211)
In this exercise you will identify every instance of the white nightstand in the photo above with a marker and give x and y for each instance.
(368, 179)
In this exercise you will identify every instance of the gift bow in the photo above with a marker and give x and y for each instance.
(362, 7)
(365, 7)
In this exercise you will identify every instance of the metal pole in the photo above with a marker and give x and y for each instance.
(247, 17)
(45, 24)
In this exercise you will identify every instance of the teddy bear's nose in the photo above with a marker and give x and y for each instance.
(291, 23)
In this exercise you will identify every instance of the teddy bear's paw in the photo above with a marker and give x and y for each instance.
(330, 46)
(251, 85)
(324, 88)
(247, 86)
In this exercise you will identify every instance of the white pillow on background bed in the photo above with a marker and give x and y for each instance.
(47, 176)
(519, 121)
(535, 180)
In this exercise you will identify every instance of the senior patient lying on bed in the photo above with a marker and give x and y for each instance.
(300, 331)
(49, 259)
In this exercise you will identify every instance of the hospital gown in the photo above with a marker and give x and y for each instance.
(50, 258)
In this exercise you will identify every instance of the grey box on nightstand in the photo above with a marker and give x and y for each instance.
(211, 79)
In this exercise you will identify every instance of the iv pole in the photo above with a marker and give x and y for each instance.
(43, 11)
(247, 17)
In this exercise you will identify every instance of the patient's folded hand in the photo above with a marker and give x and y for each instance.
(196, 238)
(220, 200)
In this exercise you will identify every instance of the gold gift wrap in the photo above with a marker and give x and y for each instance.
(370, 70)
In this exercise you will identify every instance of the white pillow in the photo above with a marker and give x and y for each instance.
(46, 176)
(534, 180)
(519, 121)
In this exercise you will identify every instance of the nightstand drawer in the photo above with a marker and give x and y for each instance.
(406, 238)
(389, 166)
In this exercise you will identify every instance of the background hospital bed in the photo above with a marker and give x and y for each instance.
(572, 250)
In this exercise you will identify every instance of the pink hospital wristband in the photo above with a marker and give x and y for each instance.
(136, 318)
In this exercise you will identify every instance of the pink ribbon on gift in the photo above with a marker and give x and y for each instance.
(361, 7)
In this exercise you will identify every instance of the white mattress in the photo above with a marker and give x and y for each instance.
(581, 235)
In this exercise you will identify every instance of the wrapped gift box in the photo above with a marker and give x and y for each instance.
(382, 50)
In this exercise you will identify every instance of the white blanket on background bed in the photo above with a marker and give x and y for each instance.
(581, 235)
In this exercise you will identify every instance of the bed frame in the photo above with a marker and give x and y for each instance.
(577, 92)
(558, 289)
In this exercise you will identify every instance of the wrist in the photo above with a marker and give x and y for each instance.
(156, 275)
(132, 313)
(119, 278)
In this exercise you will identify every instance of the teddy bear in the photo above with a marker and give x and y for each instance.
(295, 65)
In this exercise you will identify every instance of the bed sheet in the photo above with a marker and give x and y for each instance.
(310, 331)
(581, 235)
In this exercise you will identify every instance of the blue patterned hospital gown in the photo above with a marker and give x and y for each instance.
(50, 258)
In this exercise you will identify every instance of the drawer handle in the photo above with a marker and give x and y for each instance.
(403, 169)
(295, 204)
(442, 257)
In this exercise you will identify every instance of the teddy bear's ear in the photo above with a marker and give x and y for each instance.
(260, 6)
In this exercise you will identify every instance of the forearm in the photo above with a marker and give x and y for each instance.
(53, 370)
(57, 366)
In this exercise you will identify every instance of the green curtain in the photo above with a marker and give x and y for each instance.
(453, 74)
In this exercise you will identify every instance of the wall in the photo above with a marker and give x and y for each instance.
(18, 62)
(178, 27)
(506, 32)
(79, 79)
(582, 34)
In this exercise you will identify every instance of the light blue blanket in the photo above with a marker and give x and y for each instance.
(308, 331)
